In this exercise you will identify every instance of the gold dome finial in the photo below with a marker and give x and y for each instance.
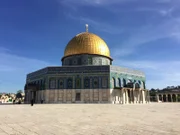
(86, 27)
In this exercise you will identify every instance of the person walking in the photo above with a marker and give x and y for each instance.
(41, 101)
(32, 102)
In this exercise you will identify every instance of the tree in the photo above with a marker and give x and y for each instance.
(19, 91)
(19, 95)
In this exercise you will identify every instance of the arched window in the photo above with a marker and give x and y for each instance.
(124, 82)
(100, 61)
(61, 83)
(90, 60)
(106, 62)
(144, 86)
(119, 82)
(129, 81)
(104, 82)
(86, 83)
(52, 84)
(113, 82)
(79, 61)
(95, 83)
(137, 85)
(78, 83)
(69, 83)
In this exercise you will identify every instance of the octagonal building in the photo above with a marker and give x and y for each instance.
(86, 76)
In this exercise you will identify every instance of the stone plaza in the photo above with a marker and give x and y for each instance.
(90, 119)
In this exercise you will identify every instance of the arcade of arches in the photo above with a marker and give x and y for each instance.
(171, 96)
(130, 96)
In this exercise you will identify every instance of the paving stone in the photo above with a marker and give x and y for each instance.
(90, 119)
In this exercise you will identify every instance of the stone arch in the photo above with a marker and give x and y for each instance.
(78, 83)
(86, 82)
(129, 81)
(173, 98)
(144, 85)
(61, 83)
(124, 82)
(129, 95)
(119, 80)
(160, 97)
(164, 98)
(178, 97)
(52, 84)
(169, 98)
(113, 82)
(140, 83)
(137, 85)
(69, 83)
(95, 82)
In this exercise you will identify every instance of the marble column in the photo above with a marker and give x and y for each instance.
(176, 98)
(149, 97)
(121, 99)
(139, 96)
(135, 97)
(162, 98)
(171, 98)
(123, 95)
(64, 96)
(47, 96)
(82, 95)
(157, 98)
(56, 95)
(127, 98)
(143, 97)
(100, 95)
(130, 96)
(167, 98)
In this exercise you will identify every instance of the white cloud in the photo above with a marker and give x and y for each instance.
(146, 34)
(165, 11)
(2, 49)
(13, 70)
(100, 26)
(92, 2)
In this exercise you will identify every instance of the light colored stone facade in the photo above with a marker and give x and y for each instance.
(69, 96)
(129, 96)
(168, 96)
(114, 96)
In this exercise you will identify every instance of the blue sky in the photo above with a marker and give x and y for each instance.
(141, 34)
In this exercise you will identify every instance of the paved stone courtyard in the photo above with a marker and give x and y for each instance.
(90, 119)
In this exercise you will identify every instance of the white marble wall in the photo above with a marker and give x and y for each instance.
(69, 96)
(128, 96)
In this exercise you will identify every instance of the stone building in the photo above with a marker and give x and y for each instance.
(86, 76)
(172, 95)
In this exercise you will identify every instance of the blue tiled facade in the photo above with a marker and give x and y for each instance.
(85, 77)
(81, 77)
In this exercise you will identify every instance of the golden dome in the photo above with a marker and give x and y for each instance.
(87, 43)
